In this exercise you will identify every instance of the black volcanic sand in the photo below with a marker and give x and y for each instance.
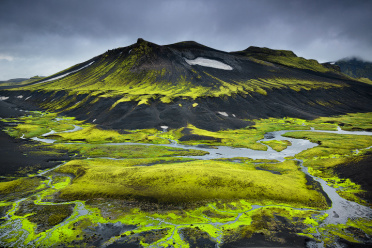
(17, 158)
(360, 172)
(260, 240)
(207, 115)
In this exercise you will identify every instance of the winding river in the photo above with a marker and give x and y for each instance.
(340, 211)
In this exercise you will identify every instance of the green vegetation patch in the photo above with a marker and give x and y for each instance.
(331, 145)
(272, 222)
(354, 231)
(21, 185)
(38, 123)
(124, 77)
(334, 149)
(186, 182)
(349, 122)
(45, 216)
(92, 134)
(278, 145)
(125, 151)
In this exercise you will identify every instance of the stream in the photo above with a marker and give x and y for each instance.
(340, 211)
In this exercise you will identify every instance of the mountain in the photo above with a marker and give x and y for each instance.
(355, 67)
(15, 82)
(146, 85)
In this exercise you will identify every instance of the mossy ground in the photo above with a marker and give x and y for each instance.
(334, 149)
(187, 182)
(158, 199)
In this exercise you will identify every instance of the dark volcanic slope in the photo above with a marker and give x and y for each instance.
(146, 85)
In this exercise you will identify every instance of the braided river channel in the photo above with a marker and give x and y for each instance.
(339, 212)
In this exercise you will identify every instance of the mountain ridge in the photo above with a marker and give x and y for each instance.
(146, 85)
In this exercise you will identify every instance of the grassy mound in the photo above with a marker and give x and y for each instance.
(187, 182)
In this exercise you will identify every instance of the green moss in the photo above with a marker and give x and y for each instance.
(38, 123)
(349, 122)
(185, 182)
(331, 145)
(278, 145)
(45, 216)
(91, 134)
(163, 195)
(125, 151)
(19, 185)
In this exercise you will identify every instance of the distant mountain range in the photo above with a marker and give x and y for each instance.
(148, 85)
(355, 67)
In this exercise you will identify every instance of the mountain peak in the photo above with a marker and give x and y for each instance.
(140, 40)
(268, 51)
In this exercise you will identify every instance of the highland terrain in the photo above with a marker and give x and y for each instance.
(183, 145)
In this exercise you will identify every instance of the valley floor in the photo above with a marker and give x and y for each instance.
(184, 187)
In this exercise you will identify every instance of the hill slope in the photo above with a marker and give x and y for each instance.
(147, 85)
(355, 67)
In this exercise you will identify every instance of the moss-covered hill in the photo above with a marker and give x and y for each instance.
(147, 85)
(355, 67)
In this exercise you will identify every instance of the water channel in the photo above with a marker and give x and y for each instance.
(340, 211)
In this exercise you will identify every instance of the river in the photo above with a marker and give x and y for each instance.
(340, 211)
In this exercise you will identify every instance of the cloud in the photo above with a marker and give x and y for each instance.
(51, 34)
(6, 57)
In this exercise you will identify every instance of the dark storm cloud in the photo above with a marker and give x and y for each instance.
(43, 37)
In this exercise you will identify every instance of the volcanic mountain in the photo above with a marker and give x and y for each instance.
(355, 67)
(147, 85)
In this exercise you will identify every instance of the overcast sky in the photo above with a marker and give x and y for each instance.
(41, 37)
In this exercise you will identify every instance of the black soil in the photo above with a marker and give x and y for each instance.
(17, 156)
(197, 238)
(360, 172)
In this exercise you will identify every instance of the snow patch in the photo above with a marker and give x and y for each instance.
(209, 63)
(2, 98)
(223, 113)
(164, 127)
(27, 98)
(233, 115)
(20, 97)
(94, 120)
(64, 75)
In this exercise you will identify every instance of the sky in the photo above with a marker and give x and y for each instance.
(42, 37)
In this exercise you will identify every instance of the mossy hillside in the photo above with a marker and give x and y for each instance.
(187, 182)
(283, 57)
(167, 91)
(127, 74)
(25, 82)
